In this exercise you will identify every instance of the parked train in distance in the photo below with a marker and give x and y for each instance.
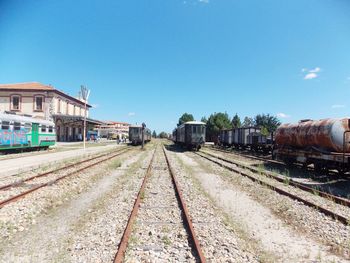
(135, 135)
(246, 138)
(19, 133)
(325, 143)
(190, 134)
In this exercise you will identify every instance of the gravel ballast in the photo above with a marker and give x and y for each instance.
(237, 197)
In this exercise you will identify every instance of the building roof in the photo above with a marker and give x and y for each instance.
(36, 86)
(195, 122)
(26, 86)
(116, 122)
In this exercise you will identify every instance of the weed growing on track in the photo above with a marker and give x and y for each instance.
(166, 240)
(261, 169)
(115, 164)
(286, 181)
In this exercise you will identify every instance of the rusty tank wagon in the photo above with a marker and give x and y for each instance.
(323, 143)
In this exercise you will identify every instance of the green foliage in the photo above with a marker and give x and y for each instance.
(154, 134)
(264, 131)
(267, 121)
(204, 119)
(248, 122)
(236, 121)
(163, 135)
(215, 123)
(185, 118)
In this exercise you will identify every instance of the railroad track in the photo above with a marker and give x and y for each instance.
(282, 179)
(264, 159)
(21, 184)
(275, 162)
(194, 243)
(242, 170)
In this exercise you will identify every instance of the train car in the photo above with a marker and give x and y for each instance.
(190, 134)
(18, 133)
(246, 138)
(135, 135)
(323, 143)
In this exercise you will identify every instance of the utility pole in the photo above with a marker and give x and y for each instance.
(85, 92)
(143, 134)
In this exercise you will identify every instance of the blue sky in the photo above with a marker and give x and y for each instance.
(152, 60)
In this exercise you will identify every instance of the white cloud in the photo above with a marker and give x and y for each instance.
(131, 114)
(283, 115)
(338, 106)
(311, 73)
(311, 76)
(95, 106)
(315, 70)
(204, 1)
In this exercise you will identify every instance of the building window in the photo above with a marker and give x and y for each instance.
(43, 128)
(67, 108)
(38, 103)
(74, 113)
(15, 102)
(50, 129)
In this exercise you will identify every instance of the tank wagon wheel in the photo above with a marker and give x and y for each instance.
(320, 169)
(288, 161)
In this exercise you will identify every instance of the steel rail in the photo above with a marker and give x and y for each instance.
(188, 220)
(18, 183)
(265, 159)
(247, 156)
(334, 198)
(128, 230)
(325, 211)
(23, 194)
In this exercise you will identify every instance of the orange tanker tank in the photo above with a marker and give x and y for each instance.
(323, 135)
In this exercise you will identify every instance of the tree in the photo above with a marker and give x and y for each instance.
(248, 122)
(163, 135)
(185, 118)
(154, 134)
(236, 121)
(267, 121)
(215, 123)
(204, 119)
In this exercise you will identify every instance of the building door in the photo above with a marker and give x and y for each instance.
(74, 137)
(67, 133)
(35, 134)
(58, 133)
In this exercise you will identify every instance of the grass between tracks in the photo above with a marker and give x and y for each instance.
(100, 206)
(234, 226)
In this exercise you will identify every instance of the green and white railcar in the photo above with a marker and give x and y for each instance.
(20, 132)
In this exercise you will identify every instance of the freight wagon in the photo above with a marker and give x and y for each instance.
(246, 138)
(18, 133)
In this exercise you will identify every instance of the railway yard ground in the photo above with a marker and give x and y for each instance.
(163, 204)
(12, 164)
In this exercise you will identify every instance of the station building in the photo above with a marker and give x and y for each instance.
(114, 130)
(46, 102)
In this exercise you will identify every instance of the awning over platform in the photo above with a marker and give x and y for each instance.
(73, 118)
